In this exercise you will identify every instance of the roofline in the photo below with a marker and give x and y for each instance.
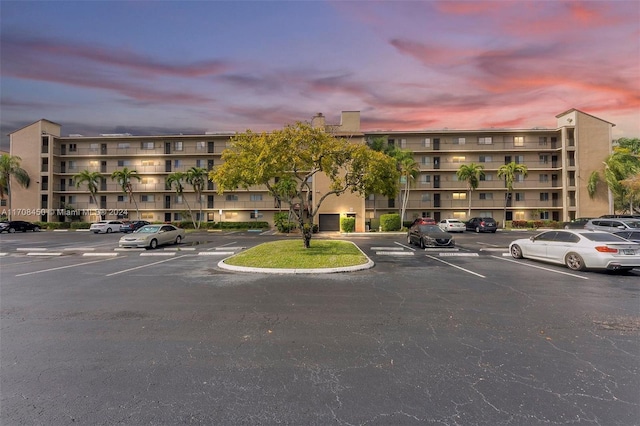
(35, 122)
(582, 112)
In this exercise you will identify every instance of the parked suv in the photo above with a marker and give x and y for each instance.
(613, 225)
(482, 224)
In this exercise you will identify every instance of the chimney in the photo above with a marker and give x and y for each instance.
(318, 121)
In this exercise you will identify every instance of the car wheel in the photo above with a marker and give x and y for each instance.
(153, 244)
(36, 229)
(409, 240)
(477, 229)
(178, 239)
(108, 230)
(516, 252)
(574, 262)
(12, 230)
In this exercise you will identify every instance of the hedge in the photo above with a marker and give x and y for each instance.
(348, 224)
(390, 222)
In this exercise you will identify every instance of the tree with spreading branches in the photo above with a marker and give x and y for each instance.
(287, 160)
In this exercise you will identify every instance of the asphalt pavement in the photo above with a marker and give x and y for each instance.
(460, 337)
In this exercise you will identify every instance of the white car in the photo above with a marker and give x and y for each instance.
(105, 226)
(452, 225)
(152, 236)
(579, 249)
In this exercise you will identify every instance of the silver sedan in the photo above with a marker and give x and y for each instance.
(579, 249)
(152, 236)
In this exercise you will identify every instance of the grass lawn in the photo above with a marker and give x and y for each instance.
(291, 254)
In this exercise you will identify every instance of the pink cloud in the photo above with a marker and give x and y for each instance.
(67, 51)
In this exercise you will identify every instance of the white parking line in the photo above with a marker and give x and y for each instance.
(405, 246)
(215, 253)
(62, 267)
(541, 267)
(99, 254)
(395, 253)
(456, 266)
(158, 253)
(42, 253)
(145, 266)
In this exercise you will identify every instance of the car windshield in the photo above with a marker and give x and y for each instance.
(429, 228)
(603, 237)
(633, 224)
(148, 229)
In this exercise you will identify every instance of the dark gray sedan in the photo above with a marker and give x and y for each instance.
(429, 236)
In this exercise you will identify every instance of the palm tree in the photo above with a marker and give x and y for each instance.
(174, 180)
(471, 173)
(197, 177)
(409, 171)
(123, 178)
(509, 172)
(618, 167)
(10, 168)
(92, 179)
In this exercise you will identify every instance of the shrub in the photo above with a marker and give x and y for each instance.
(77, 225)
(348, 224)
(390, 222)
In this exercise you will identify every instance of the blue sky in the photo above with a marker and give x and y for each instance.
(151, 67)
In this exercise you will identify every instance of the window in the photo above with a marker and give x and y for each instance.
(518, 215)
(459, 141)
(148, 163)
(459, 195)
(123, 198)
(72, 199)
(426, 160)
(147, 145)
(44, 182)
(177, 163)
(519, 178)
(486, 195)
(543, 159)
(147, 198)
(518, 141)
(147, 181)
(426, 197)
(231, 197)
(124, 163)
(544, 196)
(458, 159)
(403, 143)
(544, 178)
(255, 197)
(391, 203)
(545, 216)
(427, 142)
(147, 216)
(487, 140)
(72, 165)
(177, 217)
(486, 177)
(177, 146)
(542, 141)
(200, 163)
(178, 199)
(200, 145)
(485, 159)
(94, 147)
(391, 142)
(519, 196)
(124, 145)
(426, 178)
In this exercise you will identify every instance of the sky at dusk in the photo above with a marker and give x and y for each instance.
(158, 67)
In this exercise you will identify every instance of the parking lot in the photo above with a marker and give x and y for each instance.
(96, 335)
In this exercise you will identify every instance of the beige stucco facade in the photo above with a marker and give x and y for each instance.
(559, 160)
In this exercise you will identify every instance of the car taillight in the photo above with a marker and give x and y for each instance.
(605, 249)
(482, 223)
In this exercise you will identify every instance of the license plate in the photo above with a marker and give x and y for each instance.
(628, 251)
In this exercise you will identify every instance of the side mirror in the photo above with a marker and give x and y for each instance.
(532, 238)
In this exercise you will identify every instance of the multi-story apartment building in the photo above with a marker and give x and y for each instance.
(559, 162)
